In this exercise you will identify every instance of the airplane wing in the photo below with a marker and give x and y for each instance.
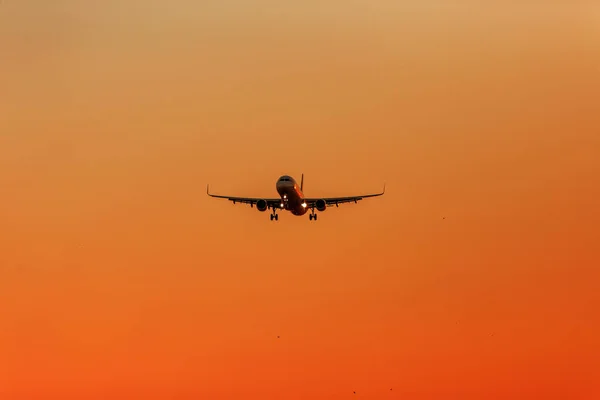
(272, 203)
(335, 201)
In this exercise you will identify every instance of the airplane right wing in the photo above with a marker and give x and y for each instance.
(270, 203)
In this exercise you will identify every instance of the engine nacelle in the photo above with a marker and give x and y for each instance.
(261, 205)
(321, 205)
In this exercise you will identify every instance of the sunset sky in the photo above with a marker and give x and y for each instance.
(476, 276)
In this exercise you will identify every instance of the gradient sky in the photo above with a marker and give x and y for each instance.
(120, 279)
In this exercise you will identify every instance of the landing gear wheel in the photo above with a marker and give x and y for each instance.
(310, 216)
(276, 217)
(315, 217)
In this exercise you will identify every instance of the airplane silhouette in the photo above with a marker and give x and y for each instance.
(291, 198)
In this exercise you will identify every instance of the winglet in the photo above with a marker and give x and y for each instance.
(383, 189)
(207, 190)
(302, 183)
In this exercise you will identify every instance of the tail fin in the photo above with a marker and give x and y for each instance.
(302, 183)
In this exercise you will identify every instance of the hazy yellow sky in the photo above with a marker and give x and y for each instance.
(119, 278)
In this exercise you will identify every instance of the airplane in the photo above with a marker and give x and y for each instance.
(291, 198)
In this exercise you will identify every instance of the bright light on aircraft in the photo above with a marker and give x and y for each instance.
(303, 205)
(281, 205)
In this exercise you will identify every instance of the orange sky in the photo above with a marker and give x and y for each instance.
(120, 279)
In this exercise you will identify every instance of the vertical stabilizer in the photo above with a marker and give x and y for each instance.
(302, 183)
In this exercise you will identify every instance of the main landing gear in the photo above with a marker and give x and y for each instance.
(312, 216)
(274, 216)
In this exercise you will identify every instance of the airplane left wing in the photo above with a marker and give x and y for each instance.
(334, 201)
(271, 203)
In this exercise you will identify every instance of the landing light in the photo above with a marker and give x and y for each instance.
(281, 205)
(303, 205)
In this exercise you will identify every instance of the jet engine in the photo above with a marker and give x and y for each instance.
(321, 205)
(261, 205)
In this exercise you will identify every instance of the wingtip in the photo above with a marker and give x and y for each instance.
(383, 189)
(207, 190)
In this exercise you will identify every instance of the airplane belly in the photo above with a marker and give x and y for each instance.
(299, 210)
(292, 198)
(294, 203)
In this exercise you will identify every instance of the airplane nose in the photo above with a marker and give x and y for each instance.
(285, 184)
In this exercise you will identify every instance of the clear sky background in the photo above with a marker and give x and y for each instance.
(475, 276)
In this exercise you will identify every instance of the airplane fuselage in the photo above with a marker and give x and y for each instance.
(292, 198)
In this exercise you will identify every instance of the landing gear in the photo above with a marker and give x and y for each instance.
(274, 216)
(313, 214)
